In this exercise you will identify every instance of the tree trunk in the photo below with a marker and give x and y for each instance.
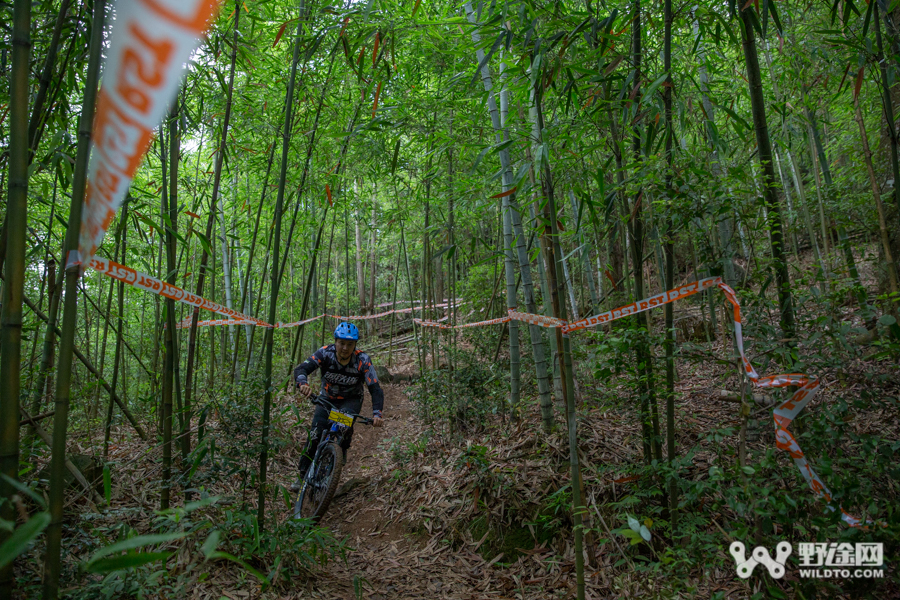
(70, 310)
(213, 203)
(891, 266)
(13, 287)
(670, 269)
(511, 209)
(565, 358)
(649, 408)
(268, 342)
(119, 337)
(770, 199)
(888, 107)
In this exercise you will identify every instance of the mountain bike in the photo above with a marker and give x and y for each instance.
(321, 480)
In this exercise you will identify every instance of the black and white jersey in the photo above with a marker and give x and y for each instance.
(343, 383)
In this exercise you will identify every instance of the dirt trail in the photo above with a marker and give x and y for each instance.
(391, 562)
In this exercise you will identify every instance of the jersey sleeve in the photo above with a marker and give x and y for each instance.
(373, 385)
(308, 367)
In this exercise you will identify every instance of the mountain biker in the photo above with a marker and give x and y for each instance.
(344, 370)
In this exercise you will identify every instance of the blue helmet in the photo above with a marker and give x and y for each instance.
(346, 331)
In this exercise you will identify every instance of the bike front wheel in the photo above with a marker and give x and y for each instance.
(319, 487)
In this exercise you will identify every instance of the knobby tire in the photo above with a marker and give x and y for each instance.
(328, 466)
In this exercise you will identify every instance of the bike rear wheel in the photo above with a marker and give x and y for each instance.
(319, 487)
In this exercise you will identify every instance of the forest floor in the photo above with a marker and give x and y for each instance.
(482, 512)
(394, 562)
(407, 515)
(391, 560)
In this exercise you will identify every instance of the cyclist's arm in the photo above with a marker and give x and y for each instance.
(374, 389)
(308, 367)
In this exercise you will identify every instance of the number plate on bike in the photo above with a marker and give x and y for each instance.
(339, 417)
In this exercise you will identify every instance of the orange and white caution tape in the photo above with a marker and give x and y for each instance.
(783, 415)
(440, 325)
(481, 323)
(151, 284)
(417, 302)
(297, 323)
(363, 317)
(678, 293)
(150, 42)
(187, 323)
(531, 319)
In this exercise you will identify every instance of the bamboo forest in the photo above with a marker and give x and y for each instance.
(604, 293)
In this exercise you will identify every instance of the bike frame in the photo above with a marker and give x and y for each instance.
(334, 434)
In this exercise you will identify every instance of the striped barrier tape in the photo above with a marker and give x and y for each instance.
(439, 325)
(161, 288)
(297, 323)
(417, 302)
(187, 321)
(150, 42)
(540, 320)
(481, 323)
(688, 289)
(186, 325)
(783, 414)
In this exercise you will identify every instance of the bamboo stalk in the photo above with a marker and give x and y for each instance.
(419, 350)
(649, 408)
(393, 309)
(514, 226)
(810, 231)
(887, 105)
(327, 277)
(760, 125)
(70, 310)
(891, 266)
(95, 406)
(168, 209)
(585, 253)
(861, 294)
(275, 275)
(669, 248)
(213, 202)
(13, 288)
(565, 357)
(119, 339)
(46, 76)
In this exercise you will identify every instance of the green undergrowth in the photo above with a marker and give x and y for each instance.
(762, 501)
(119, 553)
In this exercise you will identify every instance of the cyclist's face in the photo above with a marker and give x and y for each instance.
(344, 349)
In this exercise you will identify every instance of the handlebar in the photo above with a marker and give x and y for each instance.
(327, 404)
